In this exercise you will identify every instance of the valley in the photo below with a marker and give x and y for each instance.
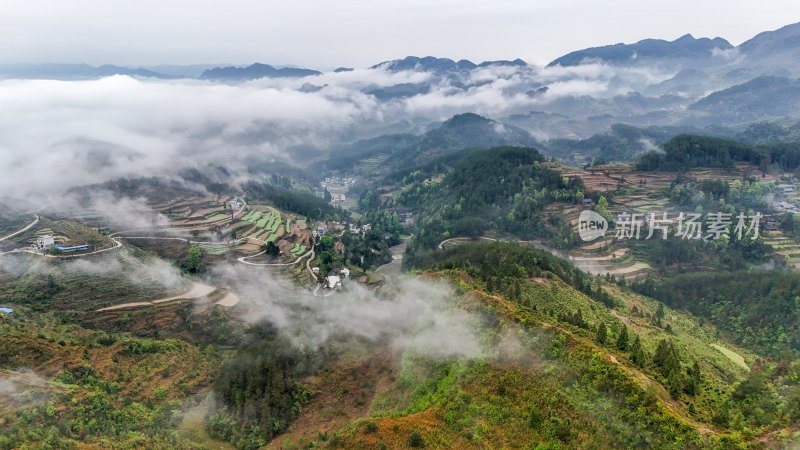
(599, 252)
(196, 277)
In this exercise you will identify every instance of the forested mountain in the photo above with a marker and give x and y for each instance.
(505, 188)
(398, 152)
(688, 151)
(622, 143)
(761, 98)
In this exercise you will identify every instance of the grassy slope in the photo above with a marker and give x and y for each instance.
(93, 389)
(548, 384)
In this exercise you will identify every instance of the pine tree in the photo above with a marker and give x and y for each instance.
(660, 312)
(602, 333)
(638, 356)
(667, 358)
(622, 339)
(693, 380)
(675, 383)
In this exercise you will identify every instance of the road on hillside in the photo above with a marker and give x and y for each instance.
(28, 227)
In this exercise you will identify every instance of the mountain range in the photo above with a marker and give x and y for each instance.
(255, 71)
(686, 46)
(782, 45)
(686, 82)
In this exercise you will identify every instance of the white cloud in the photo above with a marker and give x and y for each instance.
(416, 314)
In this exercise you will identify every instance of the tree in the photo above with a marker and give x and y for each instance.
(270, 248)
(638, 356)
(194, 259)
(660, 311)
(602, 208)
(667, 358)
(675, 383)
(693, 380)
(602, 333)
(415, 440)
(622, 339)
(326, 242)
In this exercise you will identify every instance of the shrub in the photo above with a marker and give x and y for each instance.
(415, 440)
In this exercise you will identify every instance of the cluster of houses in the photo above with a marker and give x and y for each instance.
(355, 229)
(351, 227)
(337, 186)
(334, 279)
(780, 202)
(335, 182)
(406, 218)
(321, 229)
(337, 199)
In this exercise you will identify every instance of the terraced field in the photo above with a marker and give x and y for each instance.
(265, 225)
(784, 246)
(82, 285)
(218, 217)
(214, 249)
(605, 255)
(298, 249)
(196, 212)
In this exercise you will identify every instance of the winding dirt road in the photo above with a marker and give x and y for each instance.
(198, 290)
(28, 227)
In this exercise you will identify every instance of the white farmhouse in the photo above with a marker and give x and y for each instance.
(333, 281)
(44, 242)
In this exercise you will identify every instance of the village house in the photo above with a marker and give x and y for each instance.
(407, 218)
(772, 225)
(44, 242)
(332, 281)
(235, 205)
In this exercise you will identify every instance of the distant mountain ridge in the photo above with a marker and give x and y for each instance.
(74, 71)
(434, 64)
(762, 98)
(784, 39)
(255, 71)
(686, 46)
(778, 45)
(768, 50)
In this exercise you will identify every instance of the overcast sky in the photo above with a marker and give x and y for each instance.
(327, 33)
